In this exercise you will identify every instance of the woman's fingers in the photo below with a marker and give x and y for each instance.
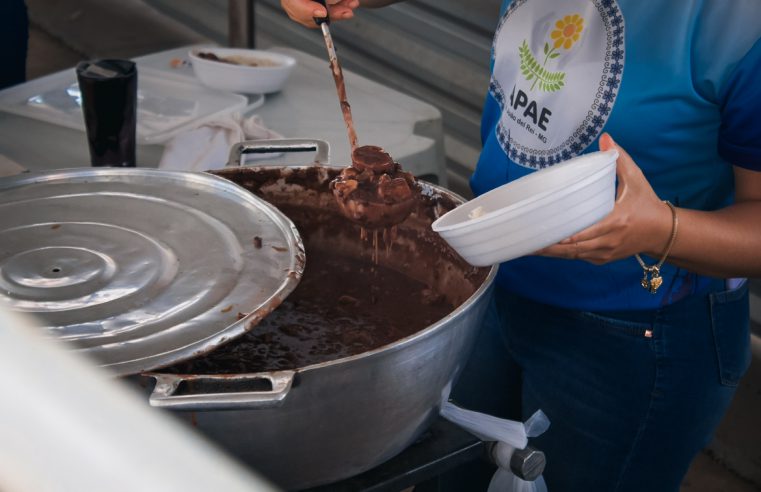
(305, 11)
(596, 251)
(342, 9)
(628, 229)
(569, 251)
(607, 143)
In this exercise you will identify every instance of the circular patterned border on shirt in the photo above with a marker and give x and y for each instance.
(592, 125)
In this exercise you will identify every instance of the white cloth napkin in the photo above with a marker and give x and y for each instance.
(208, 146)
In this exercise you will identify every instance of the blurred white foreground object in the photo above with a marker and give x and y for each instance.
(532, 212)
(66, 425)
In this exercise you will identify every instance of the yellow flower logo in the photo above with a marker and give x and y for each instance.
(568, 31)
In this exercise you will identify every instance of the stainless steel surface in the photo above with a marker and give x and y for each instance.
(528, 463)
(320, 147)
(219, 392)
(141, 268)
(240, 23)
(325, 28)
(339, 79)
(345, 416)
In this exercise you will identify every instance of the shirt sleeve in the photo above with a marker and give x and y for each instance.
(740, 105)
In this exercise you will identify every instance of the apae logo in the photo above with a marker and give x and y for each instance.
(562, 72)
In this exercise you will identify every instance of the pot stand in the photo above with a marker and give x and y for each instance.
(441, 449)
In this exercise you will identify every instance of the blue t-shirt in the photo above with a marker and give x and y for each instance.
(676, 84)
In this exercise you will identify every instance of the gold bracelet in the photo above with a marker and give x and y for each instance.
(652, 279)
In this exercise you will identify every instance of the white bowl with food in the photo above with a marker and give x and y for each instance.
(532, 212)
(241, 70)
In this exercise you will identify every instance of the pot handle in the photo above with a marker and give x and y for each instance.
(219, 392)
(322, 158)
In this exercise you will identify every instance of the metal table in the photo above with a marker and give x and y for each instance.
(409, 129)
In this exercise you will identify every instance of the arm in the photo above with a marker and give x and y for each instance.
(723, 243)
(304, 11)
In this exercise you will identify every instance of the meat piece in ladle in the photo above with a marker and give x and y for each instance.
(374, 192)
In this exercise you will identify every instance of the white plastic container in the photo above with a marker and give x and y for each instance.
(242, 78)
(532, 212)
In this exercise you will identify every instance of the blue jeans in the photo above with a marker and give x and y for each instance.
(632, 396)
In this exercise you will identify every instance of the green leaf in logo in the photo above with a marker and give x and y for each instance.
(546, 48)
(531, 69)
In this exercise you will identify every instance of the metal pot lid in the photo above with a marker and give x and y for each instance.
(141, 268)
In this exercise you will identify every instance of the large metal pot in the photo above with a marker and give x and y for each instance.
(324, 422)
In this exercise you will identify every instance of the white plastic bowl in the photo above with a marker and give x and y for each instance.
(533, 212)
(241, 78)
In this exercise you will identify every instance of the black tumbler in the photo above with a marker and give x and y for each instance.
(109, 104)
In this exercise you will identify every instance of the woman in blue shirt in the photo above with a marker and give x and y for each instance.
(634, 365)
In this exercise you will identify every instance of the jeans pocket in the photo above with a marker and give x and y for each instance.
(616, 325)
(730, 321)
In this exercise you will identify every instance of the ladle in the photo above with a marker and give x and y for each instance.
(374, 191)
